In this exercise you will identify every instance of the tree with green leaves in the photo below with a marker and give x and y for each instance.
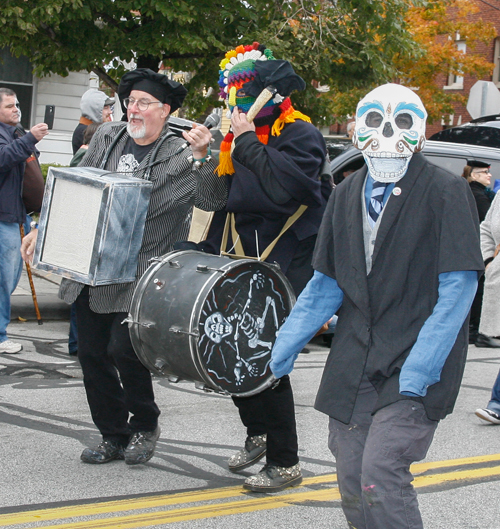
(342, 44)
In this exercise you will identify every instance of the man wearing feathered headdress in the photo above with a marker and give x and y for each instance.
(272, 159)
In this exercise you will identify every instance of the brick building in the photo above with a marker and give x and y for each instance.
(489, 12)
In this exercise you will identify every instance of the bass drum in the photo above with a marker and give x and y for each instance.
(209, 319)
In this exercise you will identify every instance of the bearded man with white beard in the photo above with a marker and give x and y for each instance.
(119, 388)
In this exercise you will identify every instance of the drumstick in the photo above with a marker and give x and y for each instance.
(32, 286)
(262, 99)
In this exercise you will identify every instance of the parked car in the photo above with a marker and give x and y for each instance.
(450, 156)
(483, 131)
(336, 144)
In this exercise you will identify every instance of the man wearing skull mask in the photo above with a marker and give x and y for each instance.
(398, 257)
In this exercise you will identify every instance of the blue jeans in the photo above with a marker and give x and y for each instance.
(494, 404)
(11, 266)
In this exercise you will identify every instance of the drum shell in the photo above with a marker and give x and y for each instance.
(168, 304)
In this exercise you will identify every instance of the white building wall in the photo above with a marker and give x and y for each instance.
(65, 93)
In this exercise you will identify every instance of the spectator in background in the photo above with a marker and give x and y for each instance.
(490, 315)
(87, 136)
(96, 107)
(350, 129)
(14, 152)
(477, 174)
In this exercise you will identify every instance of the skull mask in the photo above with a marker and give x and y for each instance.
(390, 127)
(217, 327)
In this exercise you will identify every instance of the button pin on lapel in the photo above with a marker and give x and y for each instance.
(396, 191)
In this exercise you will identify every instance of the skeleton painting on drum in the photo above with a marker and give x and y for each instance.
(241, 318)
(210, 319)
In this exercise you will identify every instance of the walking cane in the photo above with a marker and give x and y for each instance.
(32, 286)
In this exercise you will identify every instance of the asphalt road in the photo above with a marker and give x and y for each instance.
(45, 424)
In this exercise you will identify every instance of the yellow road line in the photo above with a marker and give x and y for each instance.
(418, 468)
(204, 511)
(149, 502)
(459, 475)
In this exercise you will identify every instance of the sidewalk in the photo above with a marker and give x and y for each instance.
(46, 288)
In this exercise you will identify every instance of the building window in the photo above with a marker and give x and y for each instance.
(16, 74)
(455, 80)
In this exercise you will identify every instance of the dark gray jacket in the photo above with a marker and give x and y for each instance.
(430, 227)
(13, 154)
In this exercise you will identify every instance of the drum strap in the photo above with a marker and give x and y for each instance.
(238, 247)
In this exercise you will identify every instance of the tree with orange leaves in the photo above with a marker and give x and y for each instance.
(435, 28)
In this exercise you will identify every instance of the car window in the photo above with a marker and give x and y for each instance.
(479, 135)
(456, 165)
(453, 164)
(348, 167)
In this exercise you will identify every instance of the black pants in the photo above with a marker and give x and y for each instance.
(475, 310)
(272, 412)
(116, 382)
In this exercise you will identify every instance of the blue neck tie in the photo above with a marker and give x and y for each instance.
(376, 201)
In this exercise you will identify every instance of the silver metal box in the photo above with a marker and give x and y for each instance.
(91, 225)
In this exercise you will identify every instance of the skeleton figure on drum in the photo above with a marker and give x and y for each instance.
(119, 387)
(243, 326)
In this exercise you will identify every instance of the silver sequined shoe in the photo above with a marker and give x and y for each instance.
(255, 450)
(273, 479)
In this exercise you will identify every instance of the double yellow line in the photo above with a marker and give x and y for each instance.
(317, 488)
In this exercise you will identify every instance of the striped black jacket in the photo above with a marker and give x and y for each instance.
(176, 189)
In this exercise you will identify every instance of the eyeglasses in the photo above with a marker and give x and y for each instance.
(142, 104)
(484, 171)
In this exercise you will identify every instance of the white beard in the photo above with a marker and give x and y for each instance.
(137, 132)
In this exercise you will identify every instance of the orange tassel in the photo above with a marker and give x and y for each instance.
(288, 115)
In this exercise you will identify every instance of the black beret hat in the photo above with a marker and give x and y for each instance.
(477, 163)
(277, 73)
(156, 84)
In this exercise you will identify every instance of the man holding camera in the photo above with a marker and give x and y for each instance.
(14, 152)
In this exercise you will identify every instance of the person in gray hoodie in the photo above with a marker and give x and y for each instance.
(96, 107)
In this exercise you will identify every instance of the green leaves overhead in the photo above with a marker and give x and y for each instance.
(343, 44)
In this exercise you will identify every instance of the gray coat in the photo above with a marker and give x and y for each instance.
(490, 238)
(428, 228)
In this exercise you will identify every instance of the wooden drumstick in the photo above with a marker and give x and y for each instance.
(32, 286)
(262, 99)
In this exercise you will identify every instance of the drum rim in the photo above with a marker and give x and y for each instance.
(144, 282)
(134, 329)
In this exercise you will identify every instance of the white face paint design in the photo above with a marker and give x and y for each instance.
(390, 127)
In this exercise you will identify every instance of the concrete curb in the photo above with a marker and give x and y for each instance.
(46, 289)
(50, 307)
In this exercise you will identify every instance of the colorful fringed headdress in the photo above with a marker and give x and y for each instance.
(254, 68)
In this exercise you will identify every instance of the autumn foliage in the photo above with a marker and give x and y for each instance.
(435, 28)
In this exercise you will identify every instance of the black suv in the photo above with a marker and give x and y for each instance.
(483, 131)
